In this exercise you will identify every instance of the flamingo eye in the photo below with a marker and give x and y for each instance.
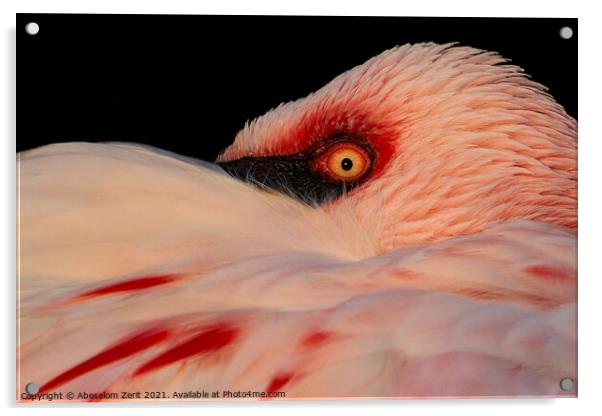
(344, 162)
(325, 171)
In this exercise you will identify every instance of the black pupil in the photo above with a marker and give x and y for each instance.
(346, 164)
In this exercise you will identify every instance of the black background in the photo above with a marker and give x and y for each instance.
(188, 83)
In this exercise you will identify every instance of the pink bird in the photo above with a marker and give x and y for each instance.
(408, 230)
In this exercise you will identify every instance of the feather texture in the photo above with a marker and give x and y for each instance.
(142, 271)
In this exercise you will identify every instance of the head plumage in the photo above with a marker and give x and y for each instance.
(462, 139)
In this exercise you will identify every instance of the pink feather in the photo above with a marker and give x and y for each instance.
(450, 273)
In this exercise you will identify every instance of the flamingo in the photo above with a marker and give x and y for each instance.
(407, 231)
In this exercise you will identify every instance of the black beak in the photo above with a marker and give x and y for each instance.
(291, 175)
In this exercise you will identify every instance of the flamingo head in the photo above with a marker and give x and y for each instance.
(420, 143)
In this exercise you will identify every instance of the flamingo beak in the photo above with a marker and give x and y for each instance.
(291, 175)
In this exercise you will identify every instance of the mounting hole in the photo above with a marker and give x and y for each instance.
(566, 32)
(32, 388)
(32, 28)
(566, 384)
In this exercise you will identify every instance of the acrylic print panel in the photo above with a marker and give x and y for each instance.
(403, 226)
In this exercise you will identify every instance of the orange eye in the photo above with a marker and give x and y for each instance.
(345, 161)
